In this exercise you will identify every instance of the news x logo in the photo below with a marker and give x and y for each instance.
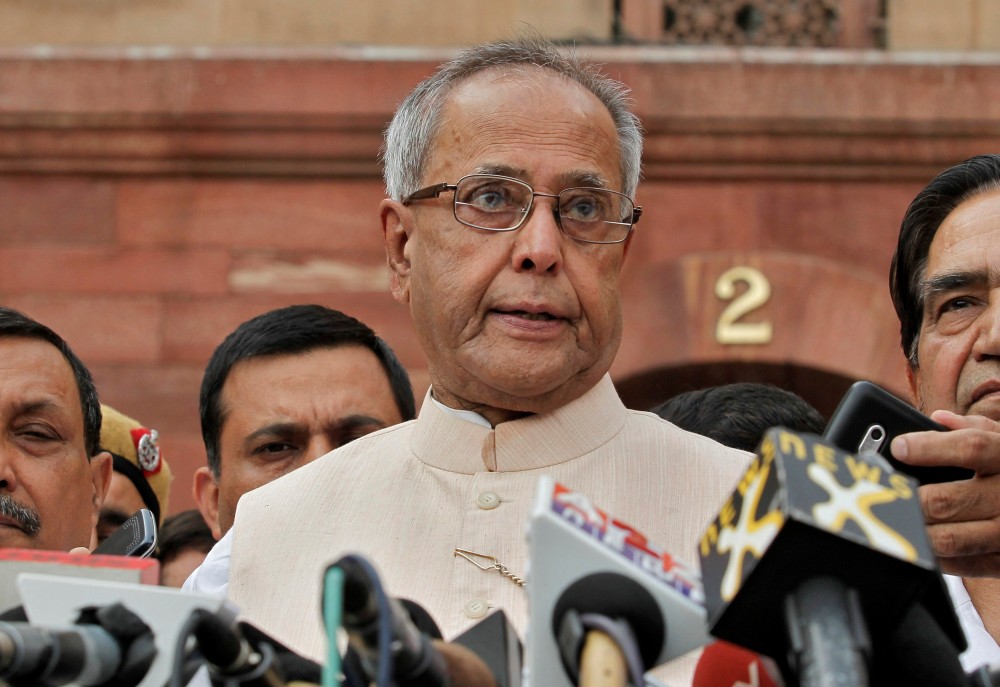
(796, 479)
(625, 542)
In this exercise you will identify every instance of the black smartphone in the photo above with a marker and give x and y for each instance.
(136, 537)
(868, 418)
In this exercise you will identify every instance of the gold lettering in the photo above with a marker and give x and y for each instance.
(729, 329)
(863, 470)
(901, 485)
(767, 450)
(728, 513)
(824, 457)
(749, 477)
(791, 442)
(709, 539)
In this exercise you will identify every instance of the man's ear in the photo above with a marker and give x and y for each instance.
(397, 225)
(206, 495)
(101, 467)
(628, 244)
(913, 381)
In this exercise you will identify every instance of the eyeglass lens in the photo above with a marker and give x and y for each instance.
(590, 214)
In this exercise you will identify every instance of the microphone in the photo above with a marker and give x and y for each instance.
(917, 652)
(230, 657)
(814, 550)
(587, 572)
(494, 640)
(722, 664)
(82, 655)
(57, 601)
(391, 649)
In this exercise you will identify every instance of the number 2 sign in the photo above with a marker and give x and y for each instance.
(729, 329)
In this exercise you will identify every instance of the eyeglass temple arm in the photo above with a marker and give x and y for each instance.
(430, 192)
(636, 214)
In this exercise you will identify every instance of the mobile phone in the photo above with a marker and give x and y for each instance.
(136, 537)
(868, 418)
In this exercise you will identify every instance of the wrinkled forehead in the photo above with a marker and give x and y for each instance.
(493, 114)
(969, 230)
(36, 375)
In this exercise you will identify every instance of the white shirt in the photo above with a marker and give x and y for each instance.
(212, 576)
(982, 647)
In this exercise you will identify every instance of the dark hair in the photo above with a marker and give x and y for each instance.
(285, 331)
(933, 204)
(737, 415)
(17, 324)
(183, 531)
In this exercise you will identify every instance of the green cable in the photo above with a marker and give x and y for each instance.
(333, 611)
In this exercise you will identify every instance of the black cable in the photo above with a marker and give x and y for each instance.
(383, 672)
(180, 647)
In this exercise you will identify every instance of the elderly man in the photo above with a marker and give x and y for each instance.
(945, 284)
(53, 477)
(510, 174)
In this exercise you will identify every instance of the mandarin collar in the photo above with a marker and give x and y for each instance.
(448, 442)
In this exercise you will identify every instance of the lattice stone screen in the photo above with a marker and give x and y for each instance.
(813, 23)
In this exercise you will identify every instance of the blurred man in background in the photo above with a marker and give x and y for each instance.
(281, 390)
(737, 415)
(184, 541)
(53, 476)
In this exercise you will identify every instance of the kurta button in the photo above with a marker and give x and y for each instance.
(476, 608)
(488, 500)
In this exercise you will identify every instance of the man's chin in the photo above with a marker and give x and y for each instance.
(12, 537)
(988, 406)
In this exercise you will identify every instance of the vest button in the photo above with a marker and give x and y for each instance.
(476, 608)
(488, 500)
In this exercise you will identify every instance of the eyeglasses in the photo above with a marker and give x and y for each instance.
(499, 203)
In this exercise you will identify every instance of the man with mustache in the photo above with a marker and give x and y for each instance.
(511, 174)
(53, 477)
(945, 284)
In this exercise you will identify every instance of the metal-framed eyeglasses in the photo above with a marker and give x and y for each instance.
(499, 203)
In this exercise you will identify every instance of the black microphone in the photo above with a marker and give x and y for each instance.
(494, 640)
(390, 648)
(917, 652)
(82, 655)
(816, 552)
(231, 658)
(379, 629)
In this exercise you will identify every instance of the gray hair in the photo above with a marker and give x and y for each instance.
(416, 122)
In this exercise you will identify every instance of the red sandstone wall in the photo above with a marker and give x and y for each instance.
(149, 203)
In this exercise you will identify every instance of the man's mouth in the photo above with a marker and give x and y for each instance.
(9, 522)
(991, 387)
(13, 514)
(533, 316)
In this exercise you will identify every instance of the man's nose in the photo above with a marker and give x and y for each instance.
(8, 481)
(988, 342)
(319, 446)
(538, 243)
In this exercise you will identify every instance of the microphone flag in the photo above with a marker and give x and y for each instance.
(805, 509)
